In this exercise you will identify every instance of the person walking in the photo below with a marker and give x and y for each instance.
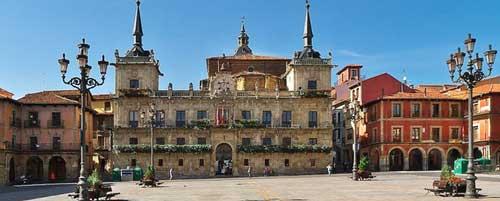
(171, 173)
(329, 169)
(333, 168)
(249, 172)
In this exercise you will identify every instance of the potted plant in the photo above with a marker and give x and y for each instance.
(95, 184)
(363, 172)
(149, 177)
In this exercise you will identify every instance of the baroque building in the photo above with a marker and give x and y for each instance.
(255, 111)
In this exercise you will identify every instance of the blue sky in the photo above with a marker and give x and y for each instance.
(392, 36)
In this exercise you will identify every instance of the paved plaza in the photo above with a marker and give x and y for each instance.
(386, 186)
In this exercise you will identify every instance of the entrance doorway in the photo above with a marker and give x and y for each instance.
(34, 168)
(12, 171)
(415, 160)
(396, 160)
(224, 157)
(435, 160)
(57, 169)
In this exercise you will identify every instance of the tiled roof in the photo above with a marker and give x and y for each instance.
(349, 66)
(249, 57)
(103, 96)
(5, 93)
(49, 98)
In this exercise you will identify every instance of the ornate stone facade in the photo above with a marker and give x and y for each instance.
(244, 115)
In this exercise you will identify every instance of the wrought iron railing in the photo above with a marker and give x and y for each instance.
(33, 123)
(55, 124)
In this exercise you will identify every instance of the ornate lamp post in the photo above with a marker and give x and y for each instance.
(470, 77)
(152, 121)
(353, 109)
(84, 84)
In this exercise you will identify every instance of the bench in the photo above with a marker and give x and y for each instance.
(110, 195)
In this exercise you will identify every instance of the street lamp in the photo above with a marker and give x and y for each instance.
(353, 109)
(153, 121)
(470, 77)
(84, 84)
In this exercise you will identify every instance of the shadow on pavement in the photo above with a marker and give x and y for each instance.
(19, 193)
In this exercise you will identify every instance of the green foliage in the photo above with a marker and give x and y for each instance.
(167, 148)
(363, 163)
(284, 149)
(446, 173)
(94, 180)
(200, 124)
(149, 174)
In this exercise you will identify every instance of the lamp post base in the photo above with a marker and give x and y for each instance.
(354, 174)
(82, 184)
(470, 180)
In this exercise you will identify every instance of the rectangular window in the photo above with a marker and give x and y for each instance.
(133, 119)
(134, 84)
(202, 115)
(202, 162)
(180, 119)
(436, 134)
(202, 140)
(475, 132)
(287, 163)
(415, 110)
(455, 133)
(396, 110)
(415, 134)
(246, 115)
(56, 143)
(313, 162)
(286, 119)
(245, 141)
(396, 134)
(313, 141)
(107, 106)
(349, 132)
(33, 143)
(454, 110)
(160, 140)
(266, 162)
(475, 106)
(56, 120)
(181, 162)
(133, 162)
(160, 162)
(312, 85)
(245, 162)
(133, 141)
(100, 141)
(160, 119)
(266, 118)
(286, 141)
(181, 141)
(375, 135)
(267, 141)
(435, 110)
(354, 74)
(313, 119)
(33, 121)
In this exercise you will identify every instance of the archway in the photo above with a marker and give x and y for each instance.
(435, 160)
(34, 168)
(415, 160)
(396, 160)
(224, 157)
(477, 153)
(57, 168)
(12, 171)
(453, 155)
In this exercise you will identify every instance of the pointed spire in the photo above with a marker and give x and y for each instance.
(308, 34)
(138, 26)
(243, 40)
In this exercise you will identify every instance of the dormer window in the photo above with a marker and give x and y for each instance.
(354, 74)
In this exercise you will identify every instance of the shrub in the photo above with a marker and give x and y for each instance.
(284, 149)
(167, 148)
(94, 180)
(446, 173)
(363, 163)
(149, 174)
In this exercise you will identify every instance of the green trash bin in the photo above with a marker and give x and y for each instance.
(116, 175)
(460, 166)
(137, 174)
(482, 161)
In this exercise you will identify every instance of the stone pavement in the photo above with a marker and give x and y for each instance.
(386, 186)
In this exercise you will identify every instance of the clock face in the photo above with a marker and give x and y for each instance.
(223, 84)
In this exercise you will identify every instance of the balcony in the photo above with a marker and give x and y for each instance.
(55, 124)
(16, 123)
(133, 124)
(33, 123)
(56, 147)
